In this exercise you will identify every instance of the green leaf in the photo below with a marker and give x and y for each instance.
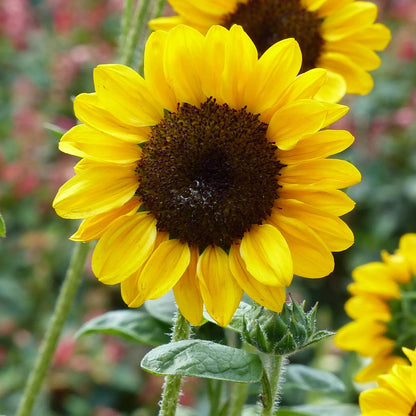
(236, 323)
(132, 325)
(254, 411)
(2, 227)
(325, 410)
(205, 359)
(163, 308)
(55, 130)
(301, 377)
(185, 411)
(319, 336)
(288, 412)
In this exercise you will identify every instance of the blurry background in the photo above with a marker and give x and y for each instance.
(48, 49)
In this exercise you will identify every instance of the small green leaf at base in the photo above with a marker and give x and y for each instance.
(301, 377)
(205, 359)
(132, 325)
(54, 129)
(323, 410)
(2, 227)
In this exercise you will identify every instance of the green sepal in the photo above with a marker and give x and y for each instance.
(282, 333)
(205, 359)
(129, 324)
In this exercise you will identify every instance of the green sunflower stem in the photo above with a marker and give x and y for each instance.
(48, 347)
(237, 399)
(156, 12)
(158, 8)
(172, 385)
(133, 37)
(125, 25)
(272, 366)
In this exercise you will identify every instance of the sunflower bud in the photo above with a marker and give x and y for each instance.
(282, 333)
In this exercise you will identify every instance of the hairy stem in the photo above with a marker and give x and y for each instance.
(172, 385)
(272, 366)
(48, 347)
(132, 39)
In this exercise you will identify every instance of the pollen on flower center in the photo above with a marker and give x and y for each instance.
(268, 21)
(208, 174)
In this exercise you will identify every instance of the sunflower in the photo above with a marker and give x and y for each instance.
(210, 174)
(338, 35)
(384, 310)
(395, 394)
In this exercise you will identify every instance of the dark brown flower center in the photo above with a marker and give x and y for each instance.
(268, 21)
(413, 410)
(208, 174)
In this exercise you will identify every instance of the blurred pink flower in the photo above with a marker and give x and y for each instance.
(64, 352)
(15, 21)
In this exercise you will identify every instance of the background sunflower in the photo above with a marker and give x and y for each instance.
(340, 36)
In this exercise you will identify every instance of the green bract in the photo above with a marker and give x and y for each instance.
(282, 333)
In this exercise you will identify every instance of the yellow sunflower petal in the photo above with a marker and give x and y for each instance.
(214, 7)
(84, 141)
(124, 247)
(187, 292)
(367, 305)
(357, 79)
(274, 71)
(365, 336)
(334, 201)
(313, 5)
(266, 255)
(358, 52)
(311, 257)
(95, 189)
(317, 146)
(286, 128)
(90, 110)
(182, 64)
(331, 6)
(214, 61)
(271, 297)
(348, 20)
(379, 365)
(164, 268)
(334, 112)
(305, 85)
(129, 287)
(94, 227)
(125, 94)
(376, 36)
(410, 354)
(166, 23)
(407, 247)
(374, 278)
(401, 380)
(219, 290)
(154, 72)
(398, 266)
(336, 235)
(327, 173)
(193, 13)
(240, 58)
(333, 89)
(383, 402)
